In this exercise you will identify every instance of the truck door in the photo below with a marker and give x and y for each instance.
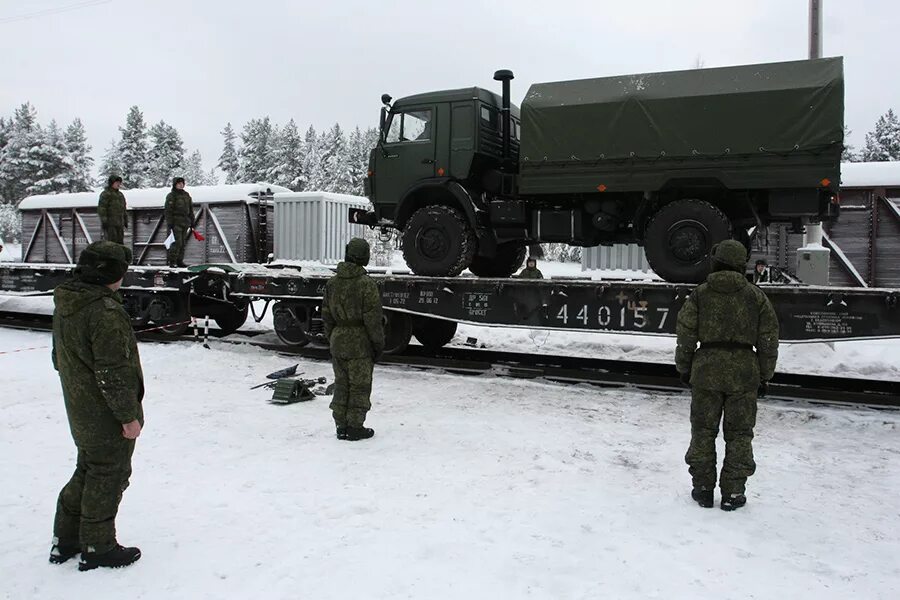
(408, 155)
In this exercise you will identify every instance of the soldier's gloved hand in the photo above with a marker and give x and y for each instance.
(685, 379)
(763, 389)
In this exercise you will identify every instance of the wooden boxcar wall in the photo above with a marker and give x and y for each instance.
(865, 241)
(58, 235)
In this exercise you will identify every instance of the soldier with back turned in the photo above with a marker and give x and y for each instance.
(352, 314)
(737, 329)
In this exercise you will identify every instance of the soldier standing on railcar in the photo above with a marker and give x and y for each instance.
(179, 211)
(737, 329)
(112, 212)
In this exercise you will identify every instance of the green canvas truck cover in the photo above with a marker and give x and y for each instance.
(778, 108)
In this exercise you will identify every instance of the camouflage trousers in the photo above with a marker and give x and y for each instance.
(176, 250)
(737, 412)
(87, 505)
(352, 389)
(114, 233)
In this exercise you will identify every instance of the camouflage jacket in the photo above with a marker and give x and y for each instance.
(528, 273)
(727, 308)
(351, 311)
(111, 208)
(179, 209)
(96, 354)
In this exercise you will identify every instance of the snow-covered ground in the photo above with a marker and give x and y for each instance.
(474, 487)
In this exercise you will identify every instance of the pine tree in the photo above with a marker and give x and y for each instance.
(6, 127)
(166, 155)
(110, 164)
(336, 162)
(228, 161)
(287, 159)
(312, 161)
(255, 153)
(80, 152)
(211, 178)
(883, 144)
(193, 169)
(359, 161)
(18, 170)
(49, 158)
(134, 151)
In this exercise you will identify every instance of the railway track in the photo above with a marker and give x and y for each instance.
(812, 389)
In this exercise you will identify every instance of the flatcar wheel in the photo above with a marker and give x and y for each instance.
(397, 332)
(290, 329)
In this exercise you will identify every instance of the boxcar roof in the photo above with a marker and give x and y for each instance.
(346, 198)
(154, 197)
(870, 174)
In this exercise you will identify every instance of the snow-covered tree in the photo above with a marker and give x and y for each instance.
(312, 161)
(18, 170)
(883, 143)
(287, 159)
(134, 155)
(10, 223)
(110, 164)
(49, 159)
(6, 127)
(359, 161)
(211, 177)
(228, 161)
(336, 162)
(255, 152)
(80, 152)
(193, 169)
(166, 155)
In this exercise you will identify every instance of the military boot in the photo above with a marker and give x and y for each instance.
(115, 557)
(359, 433)
(702, 497)
(342, 433)
(733, 501)
(60, 553)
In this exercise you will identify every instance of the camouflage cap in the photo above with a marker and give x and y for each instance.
(730, 253)
(103, 263)
(357, 252)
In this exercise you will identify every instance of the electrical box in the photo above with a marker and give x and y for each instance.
(813, 263)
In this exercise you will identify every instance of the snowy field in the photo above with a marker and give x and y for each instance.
(474, 487)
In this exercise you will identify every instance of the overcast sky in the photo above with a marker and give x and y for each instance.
(199, 64)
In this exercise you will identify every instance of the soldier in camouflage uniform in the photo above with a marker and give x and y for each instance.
(179, 219)
(351, 312)
(111, 210)
(530, 271)
(729, 317)
(95, 352)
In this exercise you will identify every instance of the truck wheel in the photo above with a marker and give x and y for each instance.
(679, 237)
(433, 333)
(508, 260)
(438, 242)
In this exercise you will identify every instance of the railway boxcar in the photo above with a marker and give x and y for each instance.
(234, 219)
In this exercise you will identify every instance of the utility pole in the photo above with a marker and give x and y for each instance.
(813, 260)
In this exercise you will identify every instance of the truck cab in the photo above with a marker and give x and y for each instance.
(438, 154)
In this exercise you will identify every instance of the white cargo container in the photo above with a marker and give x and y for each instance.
(313, 226)
(618, 257)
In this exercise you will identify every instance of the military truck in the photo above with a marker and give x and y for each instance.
(674, 161)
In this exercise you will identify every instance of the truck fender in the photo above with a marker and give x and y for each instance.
(436, 191)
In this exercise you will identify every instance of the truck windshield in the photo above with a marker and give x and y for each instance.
(410, 126)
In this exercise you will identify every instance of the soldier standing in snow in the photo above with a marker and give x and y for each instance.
(351, 312)
(179, 211)
(96, 354)
(111, 210)
(530, 271)
(728, 317)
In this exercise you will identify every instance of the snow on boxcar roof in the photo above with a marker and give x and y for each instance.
(870, 174)
(285, 196)
(154, 197)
